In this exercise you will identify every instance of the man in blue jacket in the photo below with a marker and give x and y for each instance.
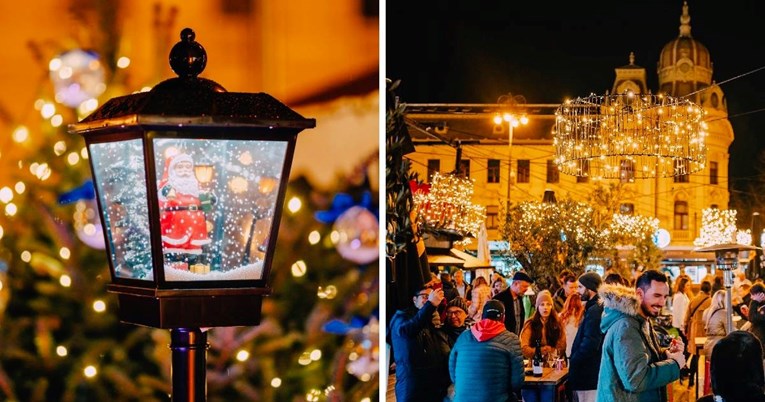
(633, 367)
(584, 362)
(486, 363)
(419, 352)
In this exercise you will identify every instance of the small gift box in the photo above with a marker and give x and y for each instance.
(200, 268)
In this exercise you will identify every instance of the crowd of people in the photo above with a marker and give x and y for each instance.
(468, 342)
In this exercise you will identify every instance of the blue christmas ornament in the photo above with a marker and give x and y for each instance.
(342, 203)
(83, 192)
(340, 327)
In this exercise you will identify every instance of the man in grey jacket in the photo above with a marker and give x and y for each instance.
(633, 367)
(486, 363)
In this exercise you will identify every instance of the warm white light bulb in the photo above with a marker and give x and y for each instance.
(294, 204)
(6, 195)
(20, 134)
(242, 355)
(65, 280)
(99, 306)
(314, 237)
(299, 268)
(123, 62)
(90, 371)
(11, 209)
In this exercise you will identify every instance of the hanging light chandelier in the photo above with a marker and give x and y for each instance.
(629, 136)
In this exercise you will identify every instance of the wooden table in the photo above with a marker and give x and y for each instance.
(550, 379)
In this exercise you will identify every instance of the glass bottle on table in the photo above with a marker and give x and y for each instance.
(537, 361)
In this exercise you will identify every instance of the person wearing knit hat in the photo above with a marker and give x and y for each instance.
(543, 326)
(590, 280)
(543, 329)
(458, 302)
(584, 362)
(456, 319)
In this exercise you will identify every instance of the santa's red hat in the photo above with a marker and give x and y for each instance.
(170, 163)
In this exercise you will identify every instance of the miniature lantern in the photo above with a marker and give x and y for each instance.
(190, 182)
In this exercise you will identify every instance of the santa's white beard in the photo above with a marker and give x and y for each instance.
(184, 185)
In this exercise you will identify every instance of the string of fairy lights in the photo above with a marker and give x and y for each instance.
(718, 226)
(642, 136)
(448, 205)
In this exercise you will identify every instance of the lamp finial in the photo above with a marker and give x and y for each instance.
(188, 58)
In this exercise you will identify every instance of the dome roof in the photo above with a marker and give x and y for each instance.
(685, 67)
(684, 48)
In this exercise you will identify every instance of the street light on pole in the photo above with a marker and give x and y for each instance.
(508, 104)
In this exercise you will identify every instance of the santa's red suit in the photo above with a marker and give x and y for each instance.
(182, 221)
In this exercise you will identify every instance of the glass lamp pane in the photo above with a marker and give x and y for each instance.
(216, 202)
(121, 180)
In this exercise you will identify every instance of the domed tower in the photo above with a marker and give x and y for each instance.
(685, 71)
(684, 64)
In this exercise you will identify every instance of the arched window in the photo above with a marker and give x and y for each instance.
(681, 215)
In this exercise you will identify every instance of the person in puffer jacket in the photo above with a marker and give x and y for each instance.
(486, 363)
(633, 367)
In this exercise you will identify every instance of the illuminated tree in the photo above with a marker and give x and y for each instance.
(717, 227)
(548, 237)
(628, 234)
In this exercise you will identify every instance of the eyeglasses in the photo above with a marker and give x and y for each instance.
(422, 294)
(455, 312)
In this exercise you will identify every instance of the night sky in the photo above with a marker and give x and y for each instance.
(452, 51)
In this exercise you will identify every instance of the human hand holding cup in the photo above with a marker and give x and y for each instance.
(676, 345)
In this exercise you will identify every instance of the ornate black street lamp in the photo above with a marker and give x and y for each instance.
(179, 173)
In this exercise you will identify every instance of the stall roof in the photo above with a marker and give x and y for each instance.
(454, 257)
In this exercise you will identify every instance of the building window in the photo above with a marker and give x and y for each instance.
(434, 166)
(681, 171)
(627, 208)
(492, 217)
(524, 171)
(681, 215)
(464, 170)
(584, 171)
(553, 174)
(492, 173)
(712, 172)
(626, 171)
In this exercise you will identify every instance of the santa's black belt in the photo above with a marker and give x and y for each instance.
(182, 208)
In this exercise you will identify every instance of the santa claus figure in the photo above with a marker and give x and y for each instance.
(182, 211)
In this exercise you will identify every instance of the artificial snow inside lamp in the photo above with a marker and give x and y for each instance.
(171, 225)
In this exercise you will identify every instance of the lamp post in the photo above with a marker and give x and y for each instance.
(173, 230)
(726, 259)
(508, 103)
